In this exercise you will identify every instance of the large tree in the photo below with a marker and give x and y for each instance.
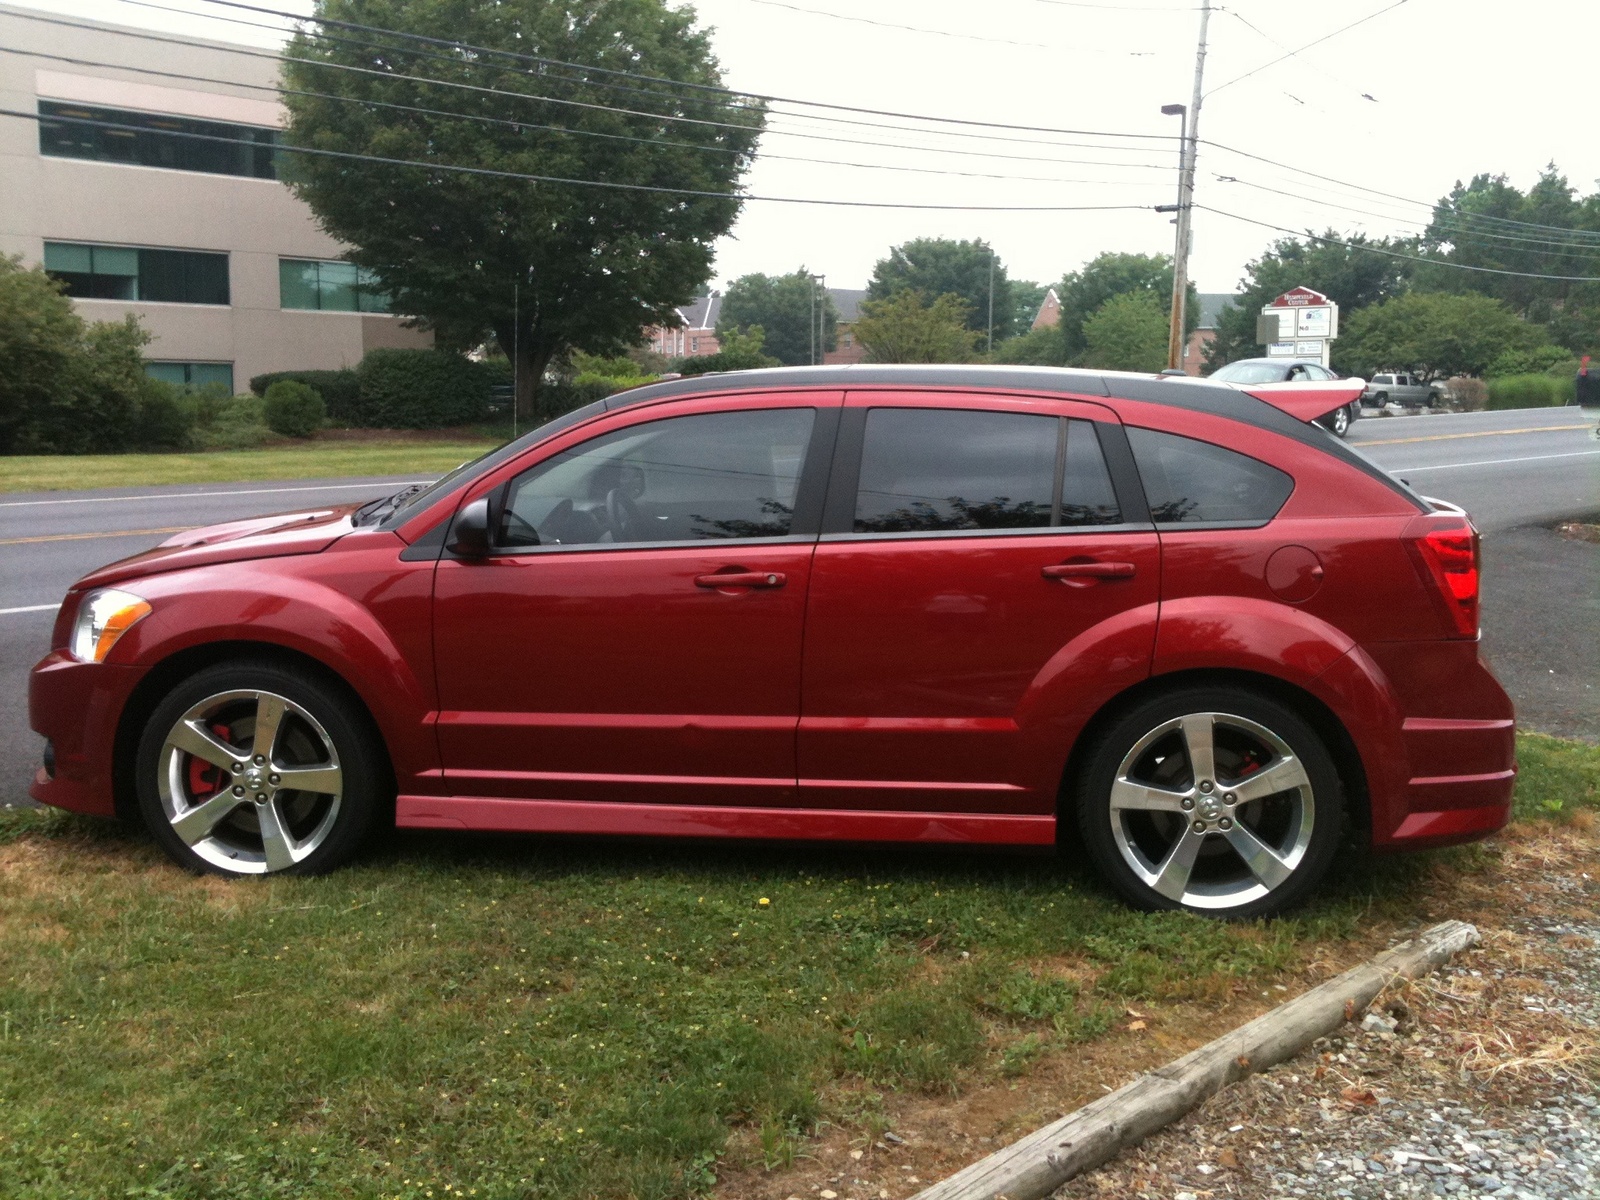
(1084, 291)
(943, 266)
(906, 328)
(544, 267)
(1435, 334)
(795, 312)
(1353, 276)
(1128, 333)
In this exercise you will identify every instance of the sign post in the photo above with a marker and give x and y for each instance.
(1299, 324)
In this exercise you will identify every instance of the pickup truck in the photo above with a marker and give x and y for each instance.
(1397, 387)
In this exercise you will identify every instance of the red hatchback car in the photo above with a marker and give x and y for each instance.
(965, 604)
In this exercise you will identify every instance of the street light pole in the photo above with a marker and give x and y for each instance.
(1189, 140)
(991, 299)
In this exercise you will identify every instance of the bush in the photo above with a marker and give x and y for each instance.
(1529, 391)
(420, 389)
(1467, 393)
(293, 409)
(166, 418)
(1531, 361)
(340, 390)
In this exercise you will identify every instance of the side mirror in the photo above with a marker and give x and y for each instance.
(469, 533)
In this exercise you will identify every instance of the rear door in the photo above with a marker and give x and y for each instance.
(967, 540)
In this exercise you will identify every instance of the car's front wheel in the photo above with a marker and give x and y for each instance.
(258, 769)
(1215, 800)
(1338, 421)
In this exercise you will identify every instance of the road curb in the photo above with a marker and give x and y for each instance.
(1045, 1159)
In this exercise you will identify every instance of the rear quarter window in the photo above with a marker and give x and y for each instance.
(1189, 482)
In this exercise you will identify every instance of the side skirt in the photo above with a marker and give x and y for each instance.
(705, 820)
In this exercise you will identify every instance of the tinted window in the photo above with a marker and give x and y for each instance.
(156, 140)
(1087, 497)
(714, 475)
(133, 273)
(926, 469)
(1187, 480)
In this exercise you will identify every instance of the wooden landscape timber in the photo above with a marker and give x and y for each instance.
(1041, 1162)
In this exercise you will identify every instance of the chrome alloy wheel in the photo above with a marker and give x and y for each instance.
(1212, 810)
(250, 781)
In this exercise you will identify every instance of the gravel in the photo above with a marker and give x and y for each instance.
(1480, 1081)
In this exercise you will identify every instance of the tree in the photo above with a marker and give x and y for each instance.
(544, 267)
(1435, 334)
(1351, 276)
(1128, 333)
(67, 387)
(784, 306)
(905, 328)
(1084, 291)
(942, 266)
(1026, 298)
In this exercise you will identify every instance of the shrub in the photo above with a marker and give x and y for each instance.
(1468, 394)
(420, 389)
(1528, 391)
(293, 409)
(340, 390)
(166, 418)
(1530, 361)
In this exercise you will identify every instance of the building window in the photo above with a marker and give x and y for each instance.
(192, 374)
(154, 140)
(134, 273)
(328, 287)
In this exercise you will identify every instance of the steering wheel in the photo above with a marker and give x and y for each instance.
(622, 514)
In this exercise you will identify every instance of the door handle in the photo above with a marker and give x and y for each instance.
(1092, 570)
(749, 579)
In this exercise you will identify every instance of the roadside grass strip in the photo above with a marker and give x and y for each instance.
(330, 460)
(577, 1018)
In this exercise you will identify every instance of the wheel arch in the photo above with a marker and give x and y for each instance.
(180, 665)
(1322, 719)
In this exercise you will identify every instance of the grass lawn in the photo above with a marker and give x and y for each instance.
(563, 1018)
(317, 459)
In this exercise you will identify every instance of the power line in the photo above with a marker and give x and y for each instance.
(535, 97)
(1302, 49)
(769, 98)
(1485, 217)
(591, 183)
(1434, 262)
(512, 123)
(947, 33)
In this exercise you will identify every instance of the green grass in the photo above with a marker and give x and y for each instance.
(1556, 778)
(332, 459)
(554, 1018)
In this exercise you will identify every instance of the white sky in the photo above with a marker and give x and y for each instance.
(1460, 86)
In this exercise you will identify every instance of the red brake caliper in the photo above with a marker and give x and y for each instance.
(206, 778)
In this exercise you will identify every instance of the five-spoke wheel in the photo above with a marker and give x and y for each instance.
(1215, 800)
(251, 770)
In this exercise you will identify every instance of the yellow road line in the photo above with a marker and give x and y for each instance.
(1450, 437)
(75, 537)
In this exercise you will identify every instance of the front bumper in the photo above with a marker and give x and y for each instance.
(77, 706)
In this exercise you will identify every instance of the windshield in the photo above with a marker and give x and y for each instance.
(1250, 371)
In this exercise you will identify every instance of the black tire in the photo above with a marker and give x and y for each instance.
(1308, 820)
(1338, 422)
(1381, 399)
(322, 740)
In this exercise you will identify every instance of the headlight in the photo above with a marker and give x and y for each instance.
(103, 617)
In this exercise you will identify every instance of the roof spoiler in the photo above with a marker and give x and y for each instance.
(1307, 401)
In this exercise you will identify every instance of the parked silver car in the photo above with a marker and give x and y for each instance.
(1398, 387)
(1290, 370)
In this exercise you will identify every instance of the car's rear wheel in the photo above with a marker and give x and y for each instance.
(1215, 800)
(1338, 421)
(258, 769)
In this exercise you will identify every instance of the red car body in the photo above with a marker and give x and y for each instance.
(899, 688)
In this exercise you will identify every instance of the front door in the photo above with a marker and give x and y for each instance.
(636, 634)
(965, 573)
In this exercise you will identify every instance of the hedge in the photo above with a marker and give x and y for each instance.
(340, 390)
(293, 409)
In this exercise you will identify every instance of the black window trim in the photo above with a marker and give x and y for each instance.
(839, 515)
(804, 527)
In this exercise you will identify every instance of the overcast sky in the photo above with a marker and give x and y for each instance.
(1457, 87)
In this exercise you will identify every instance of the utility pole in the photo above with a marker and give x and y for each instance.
(1189, 139)
(812, 326)
(991, 299)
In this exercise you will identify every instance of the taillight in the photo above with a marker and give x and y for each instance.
(1451, 556)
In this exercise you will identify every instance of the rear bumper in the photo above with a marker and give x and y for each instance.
(77, 706)
(1450, 775)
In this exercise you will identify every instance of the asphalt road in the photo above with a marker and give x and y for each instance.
(1510, 470)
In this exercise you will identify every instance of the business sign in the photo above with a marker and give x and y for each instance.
(1300, 323)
